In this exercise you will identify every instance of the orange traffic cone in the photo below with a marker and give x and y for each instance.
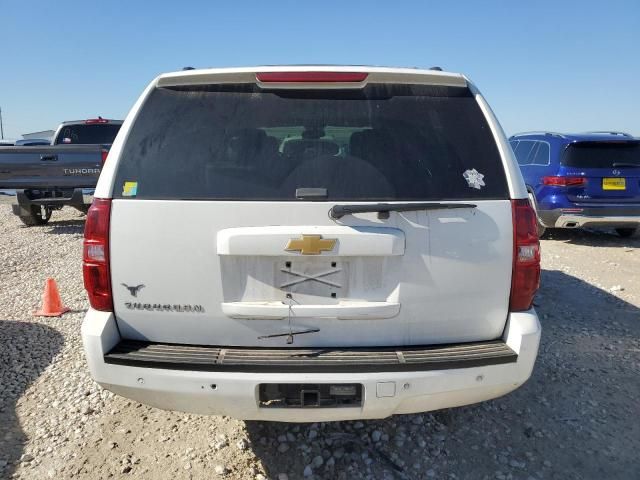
(51, 302)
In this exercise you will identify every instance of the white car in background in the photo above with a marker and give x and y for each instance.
(311, 244)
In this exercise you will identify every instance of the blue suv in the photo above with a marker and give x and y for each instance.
(582, 180)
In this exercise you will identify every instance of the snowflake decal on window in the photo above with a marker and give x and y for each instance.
(474, 178)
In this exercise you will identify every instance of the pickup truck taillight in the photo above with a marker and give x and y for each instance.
(95, 255)
(525, 279)
(92, 121)
(105, 153)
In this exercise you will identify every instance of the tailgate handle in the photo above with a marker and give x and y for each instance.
(311, 194)
(49, 158)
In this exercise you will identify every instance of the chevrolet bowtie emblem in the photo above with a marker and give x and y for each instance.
(310, 244)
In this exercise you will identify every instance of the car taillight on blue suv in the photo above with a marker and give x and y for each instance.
(559, 181)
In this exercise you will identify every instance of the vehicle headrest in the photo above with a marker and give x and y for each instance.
(308, 147)
(313, 133)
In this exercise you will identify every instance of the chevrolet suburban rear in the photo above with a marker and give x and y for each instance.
(311, 244)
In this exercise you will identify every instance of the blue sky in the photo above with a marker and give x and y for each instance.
(562, 65)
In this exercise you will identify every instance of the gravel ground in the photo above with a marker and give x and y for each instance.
(578, 417)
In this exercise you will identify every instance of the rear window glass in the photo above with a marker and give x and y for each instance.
(102, 134)
(383, 142)
(602, 155)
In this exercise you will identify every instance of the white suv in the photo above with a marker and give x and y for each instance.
(311, 244)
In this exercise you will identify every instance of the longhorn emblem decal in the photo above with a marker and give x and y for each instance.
(311, 244)
(134, 289)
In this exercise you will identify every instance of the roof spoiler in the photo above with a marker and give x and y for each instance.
(551, 134)
(253, 74)
(611, 132)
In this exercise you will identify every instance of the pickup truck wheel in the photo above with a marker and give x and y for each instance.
(626, 232)
(541, 228)
(37, 217)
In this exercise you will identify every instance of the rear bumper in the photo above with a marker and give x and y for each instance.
(22, 202)
(624, 216)
(236, 392)
(134, 353)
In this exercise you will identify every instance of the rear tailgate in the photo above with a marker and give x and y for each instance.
(611, 169)
(218, 273)
(217, 236)
(64, 166)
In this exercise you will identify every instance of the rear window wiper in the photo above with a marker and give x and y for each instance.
(383, 209)
(625, 164)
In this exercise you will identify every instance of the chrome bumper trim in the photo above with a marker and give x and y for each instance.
(578, 221)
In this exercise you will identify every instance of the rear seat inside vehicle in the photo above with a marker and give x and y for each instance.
(243, 146)
(375, 147)
(406, 158)
(234, 165)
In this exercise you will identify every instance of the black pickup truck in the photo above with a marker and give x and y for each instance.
(40, 179)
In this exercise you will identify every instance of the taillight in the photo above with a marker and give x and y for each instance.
(105, 153)
(311, 77)
(95, 255)
(525, 278)
(557, 181)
